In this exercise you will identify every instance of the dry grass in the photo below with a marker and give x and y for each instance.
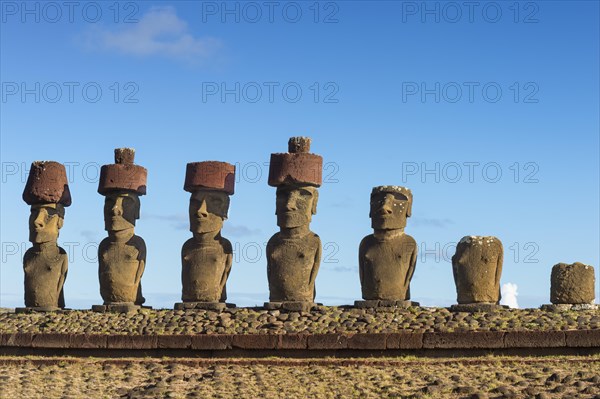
(501, 377)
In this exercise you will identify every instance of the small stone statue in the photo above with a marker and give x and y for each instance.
(207, 257)
(572, 287)
(45, 264)
(477, 267)
(294, 253)
(122, 255)
(387, 258)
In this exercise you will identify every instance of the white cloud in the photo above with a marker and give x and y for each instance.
(509, 295)
(159, 32)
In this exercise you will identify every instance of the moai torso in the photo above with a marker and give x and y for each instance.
(205, 268)
(121, 267)
(386, 267)
(572, 284)
(477, 267)
(292, 267)
(45, 274)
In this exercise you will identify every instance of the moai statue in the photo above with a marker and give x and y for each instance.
(207, 257)
(387, 258)
(294, 253)
(572, 287)
(122, 255)
(477, 267)
(45, 264)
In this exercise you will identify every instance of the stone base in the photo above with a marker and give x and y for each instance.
(214, 306)
(476, 307)
(117, 307)
(381, 303)
(292, 306)
(41, 309)
(563, 307)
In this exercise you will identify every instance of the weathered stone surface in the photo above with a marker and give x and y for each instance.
(174, 342)
(255, 341)
(387, 258)
(367, 341)
(52, 340)
(477, 307)
(212, 342)
(123, 174)
(572, 284)
(477, 267)
(47, 183)
(374, 303)
(214, 306)
(293, 341)
(46, 264)
(464, 340)
(122, 255)
(583, 338)
(132, 342)
(534, 339)
(297, 167)
(327, 341)
(211, 175)
(207, 257)
(88, 341)
(124, 307)
(292, 306)
(294, 253)
(404, 340)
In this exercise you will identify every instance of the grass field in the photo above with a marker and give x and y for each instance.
(484, 377)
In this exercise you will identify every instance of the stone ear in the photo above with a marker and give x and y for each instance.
(409, 208)
(226, 207)
(314, 201)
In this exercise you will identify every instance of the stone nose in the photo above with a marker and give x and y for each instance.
(117, 208)
(290, 203)
(40, 219)
(202, 211)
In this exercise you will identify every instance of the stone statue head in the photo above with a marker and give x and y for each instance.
(44, 222)
(121, 209)
(208, 209)
(390, 207)
(295, 205)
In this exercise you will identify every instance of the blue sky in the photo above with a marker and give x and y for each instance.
(490, 116)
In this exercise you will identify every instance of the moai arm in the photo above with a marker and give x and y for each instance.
(228, 263)
(361, 256)
(411, 269)
(316, 264)
(61, 281)
(142, 260)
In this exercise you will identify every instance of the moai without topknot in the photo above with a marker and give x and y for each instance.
(45, 264)
(387, 258)
(207, 257)
(122, 255)
(294, 253)
(572, 287)
(477, 267)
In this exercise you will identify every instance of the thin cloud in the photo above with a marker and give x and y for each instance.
(239, 230)
(431, 222)
(159, 32)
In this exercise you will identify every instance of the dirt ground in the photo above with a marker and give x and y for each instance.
(410, 377)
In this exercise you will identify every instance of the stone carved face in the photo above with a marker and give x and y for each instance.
(121, 209)
(44, 222)
(208, 209)
(388, 211)
(295, 205)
